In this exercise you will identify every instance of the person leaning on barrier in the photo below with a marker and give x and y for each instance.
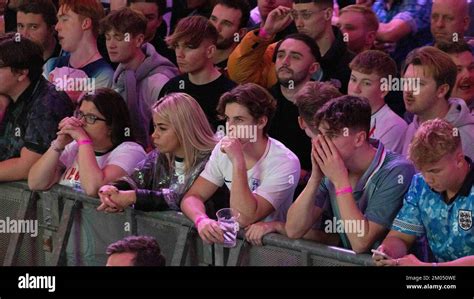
(139, 251)
(92, 148)
(260, 172)
(34, 109)
(355, 181)
(184, 141)
(311, 97)
(439, 203)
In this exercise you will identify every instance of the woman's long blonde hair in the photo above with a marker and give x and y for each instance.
(189, 123)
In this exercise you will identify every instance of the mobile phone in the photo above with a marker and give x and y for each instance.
(383, 254)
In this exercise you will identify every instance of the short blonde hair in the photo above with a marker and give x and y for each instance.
(374, 61)
(370, 17)
(189, 123)
(433, 140)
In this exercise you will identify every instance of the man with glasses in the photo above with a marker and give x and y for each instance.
(35, 110)
(252, 60)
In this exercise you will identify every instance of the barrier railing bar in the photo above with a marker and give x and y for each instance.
(235, 254)
(181, 247)
(17, 238)
(218, 255)
(305, 258)
(208, 253)
(65, 226)
(212, 255)
(130, 218)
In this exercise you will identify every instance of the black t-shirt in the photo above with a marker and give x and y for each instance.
(335, 63)
(32, 121)
(207, 95)
(285, 128)
(161, 47)
(10, 20)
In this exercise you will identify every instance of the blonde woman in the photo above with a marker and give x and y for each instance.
(184, 141)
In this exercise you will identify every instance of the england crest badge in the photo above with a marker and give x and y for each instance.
(254, 183)
(465, 219)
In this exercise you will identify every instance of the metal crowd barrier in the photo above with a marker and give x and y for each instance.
(71, 232)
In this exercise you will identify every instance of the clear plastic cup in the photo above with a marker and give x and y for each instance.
(227, 219)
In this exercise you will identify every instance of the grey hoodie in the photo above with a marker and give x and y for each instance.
(141, 89)
(460, 117)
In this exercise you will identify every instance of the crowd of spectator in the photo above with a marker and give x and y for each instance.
(299, 114)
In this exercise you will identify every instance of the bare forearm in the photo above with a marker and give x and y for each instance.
(91, 176)
(464, 261)
(394, 31)
(278, 227)
(17, 168)
(43, 174)
(300, 217)
(360, 238)
(241, 198)
(13, 170)
(193, 207)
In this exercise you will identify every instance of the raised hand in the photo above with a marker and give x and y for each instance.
(277, 20)
(232, 147)
(330, 162)
(71, 128)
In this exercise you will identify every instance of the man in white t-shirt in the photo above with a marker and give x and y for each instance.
(372, 70)
(260, 172)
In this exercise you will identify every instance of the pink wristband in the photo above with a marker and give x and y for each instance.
(262, 33)
(199, 219)
(344, 190)
(84, 141)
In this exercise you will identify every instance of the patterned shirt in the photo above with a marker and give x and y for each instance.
(32, 121)
(448, 227)
(416, 13)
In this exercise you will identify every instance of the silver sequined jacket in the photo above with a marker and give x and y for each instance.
(157, 186)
